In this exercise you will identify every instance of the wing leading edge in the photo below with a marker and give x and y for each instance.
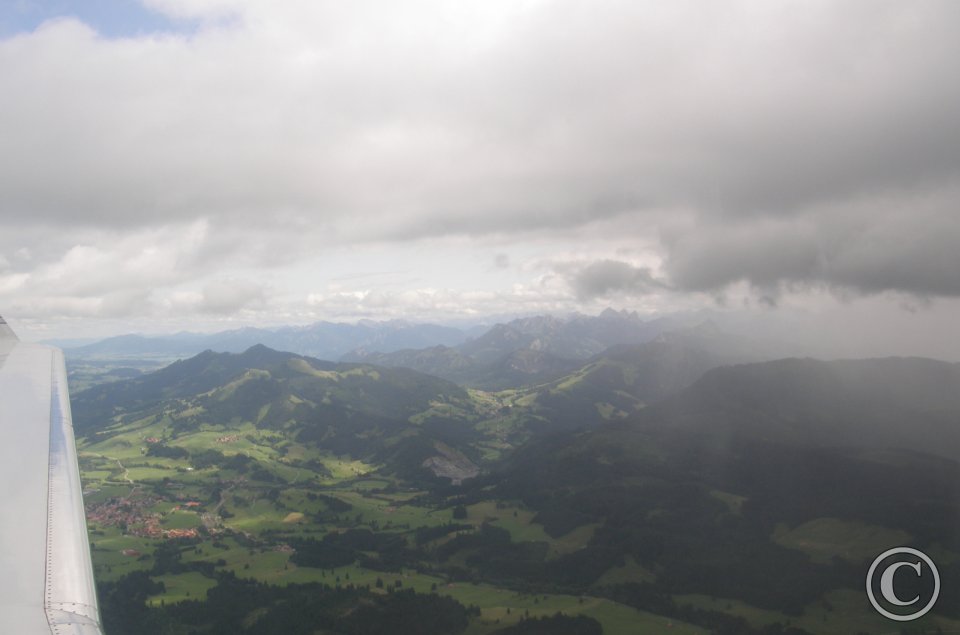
(46, 586)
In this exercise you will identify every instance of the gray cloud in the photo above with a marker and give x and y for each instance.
(788, 145)
(905, 244)
(603, 277)
(757, 109)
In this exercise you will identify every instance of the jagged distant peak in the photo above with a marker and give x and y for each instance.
(613, 314)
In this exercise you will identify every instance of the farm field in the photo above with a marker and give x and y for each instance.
(184, 525)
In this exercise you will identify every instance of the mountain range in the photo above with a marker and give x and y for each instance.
(689, 474)
(528, 351)
(324, 340)
(572, 337)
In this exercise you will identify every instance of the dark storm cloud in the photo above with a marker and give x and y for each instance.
(604, 277)
(906, 244)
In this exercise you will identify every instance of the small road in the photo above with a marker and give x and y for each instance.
(124, 473)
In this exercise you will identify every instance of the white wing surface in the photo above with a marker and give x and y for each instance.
(46, 577)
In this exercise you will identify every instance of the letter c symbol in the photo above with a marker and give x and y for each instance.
(886, 583)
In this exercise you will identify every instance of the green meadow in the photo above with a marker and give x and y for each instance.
(243, 520)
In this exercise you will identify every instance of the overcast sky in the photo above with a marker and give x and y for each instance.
(202, 164)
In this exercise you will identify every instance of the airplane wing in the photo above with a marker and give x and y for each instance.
(46, 577)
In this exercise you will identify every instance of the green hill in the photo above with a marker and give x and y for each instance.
(359, 410)
(626, 378)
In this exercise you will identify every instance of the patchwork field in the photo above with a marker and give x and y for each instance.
(223, 518)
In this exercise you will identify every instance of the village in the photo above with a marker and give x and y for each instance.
(133, 516)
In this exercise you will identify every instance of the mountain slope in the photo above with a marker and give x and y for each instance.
(576, 337)
(440, 361)
(903, 403)
(626, 378)
(397, 415)
(521, 367)
(526, 351)
(772, 483)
